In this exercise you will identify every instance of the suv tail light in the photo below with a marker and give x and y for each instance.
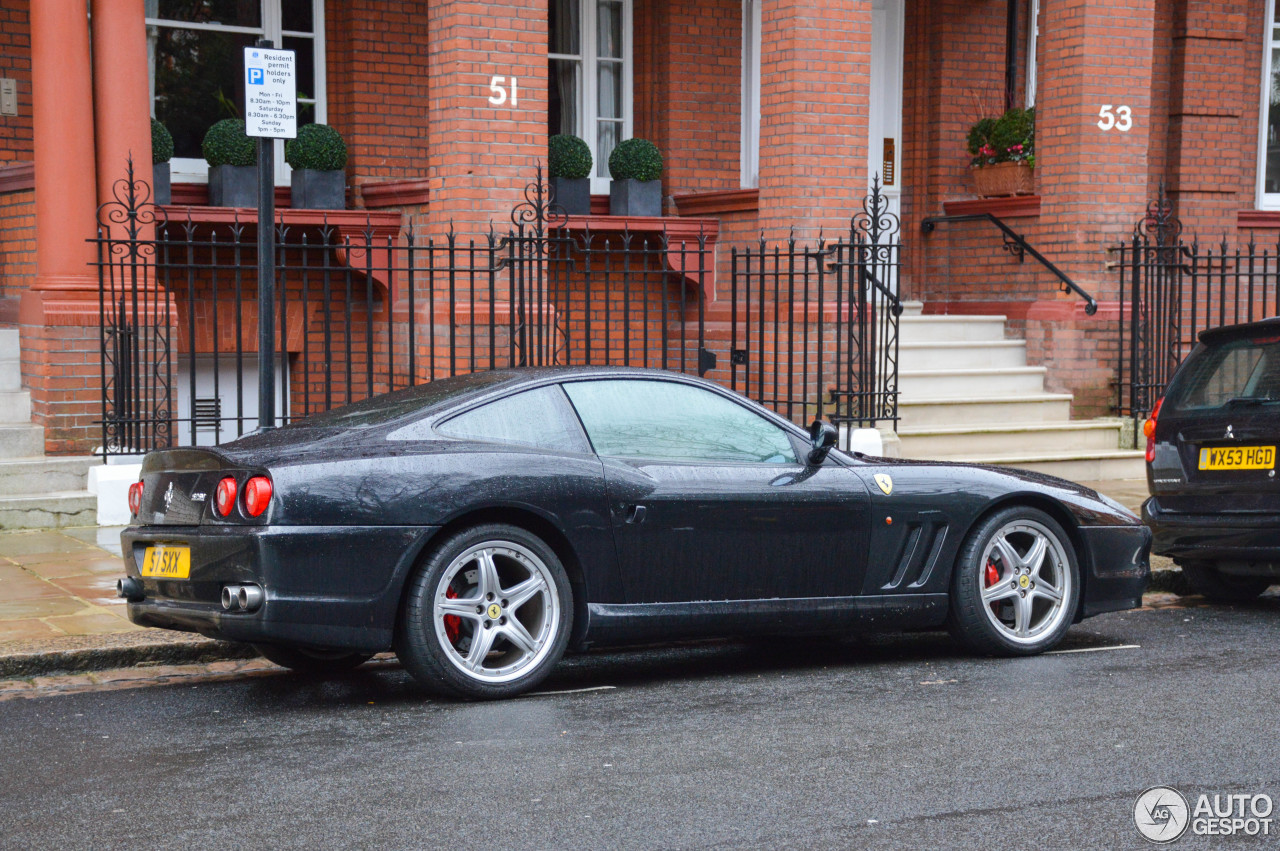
(1149, 429)
(135, 497)
(257, 495)
(224, 497)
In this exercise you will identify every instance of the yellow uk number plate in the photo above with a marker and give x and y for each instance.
(1238, 458)
(167, 561)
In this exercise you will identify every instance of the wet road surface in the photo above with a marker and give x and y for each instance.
(887, 741)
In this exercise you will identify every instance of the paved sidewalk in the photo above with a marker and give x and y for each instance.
(59, 610)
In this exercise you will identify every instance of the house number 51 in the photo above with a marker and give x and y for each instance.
(1121, 119)
(501, 92)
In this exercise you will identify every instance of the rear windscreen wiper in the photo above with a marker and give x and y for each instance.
(1248, 400)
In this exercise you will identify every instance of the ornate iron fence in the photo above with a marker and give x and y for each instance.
(1172, 290)
(369, 307)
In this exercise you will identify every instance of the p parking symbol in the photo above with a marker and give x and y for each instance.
(255, 77)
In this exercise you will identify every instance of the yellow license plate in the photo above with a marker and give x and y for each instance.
(1238, 458)
(167, 561)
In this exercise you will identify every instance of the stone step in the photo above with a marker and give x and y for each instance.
(15, 407)
(1025, 439)
(962, 354)
(967, 383)
(934, 327)
(10, 374)
(34, 476)
(1076, 466)
(21, 441)
(9, 346)
(49, 511)
(983, 410)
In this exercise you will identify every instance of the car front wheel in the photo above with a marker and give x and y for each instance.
(1215, 585)
(488, 614)
(1015, 586)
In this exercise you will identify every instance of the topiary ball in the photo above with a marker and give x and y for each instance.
(227, 144)
(635, 159)
(568, 157)
(161, 143)
(318, 147)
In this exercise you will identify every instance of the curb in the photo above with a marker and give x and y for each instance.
(44, 661)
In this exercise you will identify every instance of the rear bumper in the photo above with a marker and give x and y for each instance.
(1236, 537)
(1119, 570)
(324, 586)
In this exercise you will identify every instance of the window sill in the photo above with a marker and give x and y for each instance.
(719, 202)
(394, 193)
(197, 195)
(1258, 219)
(1012, 207)
(17, 177)
(684, 241)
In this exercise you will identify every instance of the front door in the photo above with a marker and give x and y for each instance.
(884, 125)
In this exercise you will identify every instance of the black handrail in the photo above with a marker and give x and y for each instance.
(1016, 245)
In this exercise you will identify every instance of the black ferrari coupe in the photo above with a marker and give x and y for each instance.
(482, 525)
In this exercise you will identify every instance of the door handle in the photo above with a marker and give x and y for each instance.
(635, 514)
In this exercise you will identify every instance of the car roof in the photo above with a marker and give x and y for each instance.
(1244, 330)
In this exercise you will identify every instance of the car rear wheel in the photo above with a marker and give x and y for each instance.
(1215, 585)
(1015, 586)
(312, 660)
(487, 615)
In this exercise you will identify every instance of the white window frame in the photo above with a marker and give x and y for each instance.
(751, 44)
(1266, 200)
(588, 106)
(195, 169)
(1033, 43)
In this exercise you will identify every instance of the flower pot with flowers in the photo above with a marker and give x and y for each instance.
(1003, 154)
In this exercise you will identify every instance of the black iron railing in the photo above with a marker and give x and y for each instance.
(1017, 246)
(1172, 290)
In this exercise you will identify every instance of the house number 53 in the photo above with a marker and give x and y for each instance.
(501, 92)
(1121, 118)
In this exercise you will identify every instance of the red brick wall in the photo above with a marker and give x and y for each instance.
(62, 368)
(377, 86)
(15, 63)
(17, 242)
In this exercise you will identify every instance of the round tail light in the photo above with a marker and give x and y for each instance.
(135, 497)
(257, 494)
(224, 497)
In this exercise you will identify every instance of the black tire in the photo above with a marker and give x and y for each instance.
(512, 596)
(1005, 604)
(312, 660)
(1220, 587)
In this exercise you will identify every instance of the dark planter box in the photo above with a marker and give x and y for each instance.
(573, 194)
(233, 186)
(318, 190)
(635, 198)
(162, 193)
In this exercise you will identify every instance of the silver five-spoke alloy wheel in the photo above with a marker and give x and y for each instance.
(495, 611)
(1026, 581)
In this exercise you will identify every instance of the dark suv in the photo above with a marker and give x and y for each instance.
(1211, 463)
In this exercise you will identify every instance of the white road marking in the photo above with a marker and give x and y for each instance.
(569, 691)
(1096, 649)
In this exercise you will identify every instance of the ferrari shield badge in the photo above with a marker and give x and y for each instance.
(885, 483)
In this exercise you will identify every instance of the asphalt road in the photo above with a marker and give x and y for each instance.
(884, 741)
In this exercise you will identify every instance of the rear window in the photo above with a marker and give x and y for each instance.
(1235, 373)
(391, 406)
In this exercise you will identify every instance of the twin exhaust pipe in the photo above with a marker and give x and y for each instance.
(241, 598)
(235, 598)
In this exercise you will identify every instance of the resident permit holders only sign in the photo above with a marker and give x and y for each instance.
(270, 93)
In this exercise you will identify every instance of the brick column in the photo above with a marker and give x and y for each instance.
(814, 81)
(482, 156)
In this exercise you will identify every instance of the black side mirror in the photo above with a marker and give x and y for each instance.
(822, 436)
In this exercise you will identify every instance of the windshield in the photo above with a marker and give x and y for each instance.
(391, 406)
(1243, 372)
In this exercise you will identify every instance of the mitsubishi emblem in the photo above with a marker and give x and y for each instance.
(1229, 435)
(168, 496)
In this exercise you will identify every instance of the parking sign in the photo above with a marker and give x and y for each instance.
(270, 93)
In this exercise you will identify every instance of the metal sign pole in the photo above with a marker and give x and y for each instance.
(266, 276)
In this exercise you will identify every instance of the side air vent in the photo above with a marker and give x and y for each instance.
(921, 548)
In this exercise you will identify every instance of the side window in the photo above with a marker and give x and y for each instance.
(540, 418)
(659, 419)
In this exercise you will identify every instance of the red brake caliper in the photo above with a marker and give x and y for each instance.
(992, 576)
(452, 623)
